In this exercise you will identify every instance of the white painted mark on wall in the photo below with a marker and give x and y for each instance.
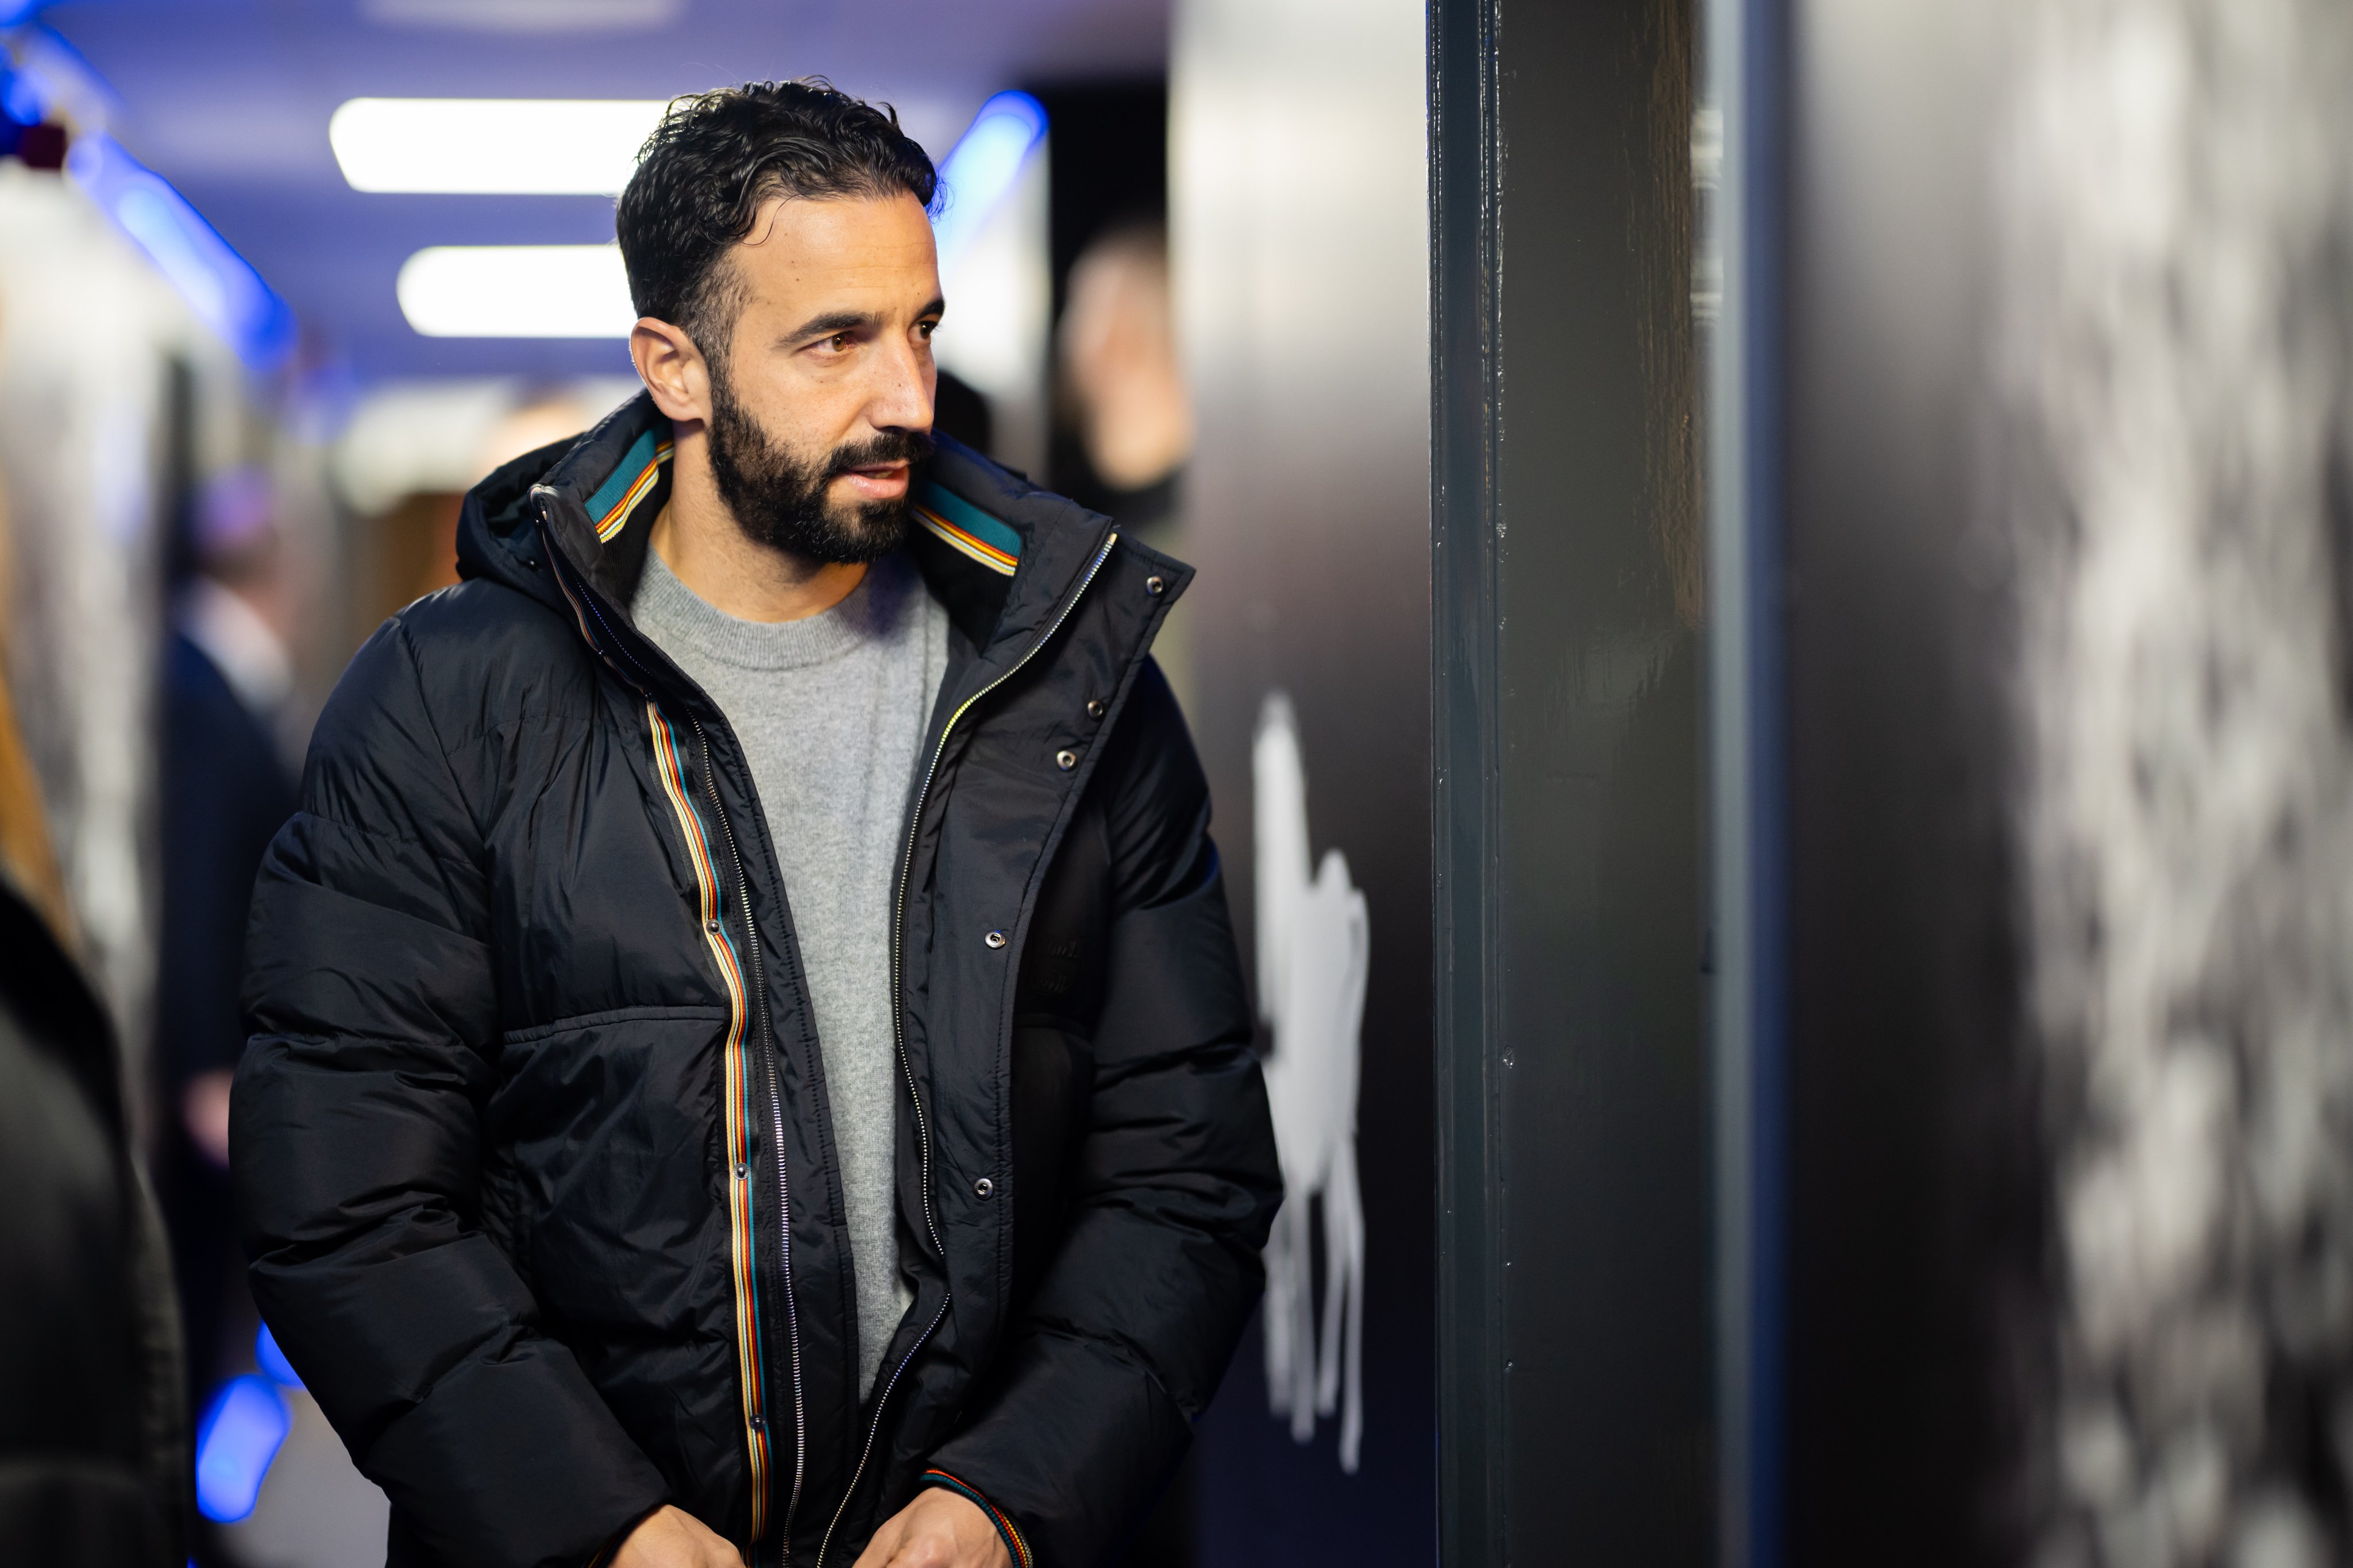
(1313, 946)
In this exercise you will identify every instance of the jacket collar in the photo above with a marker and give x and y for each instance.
(998, 552)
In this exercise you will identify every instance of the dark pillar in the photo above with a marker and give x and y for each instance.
(1574, 1229)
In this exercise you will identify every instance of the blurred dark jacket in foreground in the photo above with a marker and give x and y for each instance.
(93, 1436)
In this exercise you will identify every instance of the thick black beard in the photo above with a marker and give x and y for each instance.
(780, 502)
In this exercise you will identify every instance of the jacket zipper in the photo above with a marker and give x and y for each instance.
(586, 598)
(898, 1021)
(776, 1131)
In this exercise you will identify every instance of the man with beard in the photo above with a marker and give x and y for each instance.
(749, 1058)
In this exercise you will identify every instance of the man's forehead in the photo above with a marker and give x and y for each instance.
(842, 241)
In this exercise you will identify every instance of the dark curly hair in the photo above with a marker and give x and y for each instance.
(711, 163)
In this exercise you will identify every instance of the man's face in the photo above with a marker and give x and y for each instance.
(823, 399)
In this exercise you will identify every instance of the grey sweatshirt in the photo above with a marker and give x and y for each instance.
(830, 713)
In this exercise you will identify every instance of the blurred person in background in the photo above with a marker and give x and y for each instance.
(1123, 396)
(752, 1063)
(94, 1465)
(1124, 387)
(226, 790)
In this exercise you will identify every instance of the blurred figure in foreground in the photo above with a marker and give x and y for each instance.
(226, 790)
(91, 1420)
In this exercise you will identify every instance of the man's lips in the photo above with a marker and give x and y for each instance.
(878, 481)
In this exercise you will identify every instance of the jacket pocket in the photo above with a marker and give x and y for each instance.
(607, 1127)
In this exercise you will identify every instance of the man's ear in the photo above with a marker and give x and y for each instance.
(672, 369)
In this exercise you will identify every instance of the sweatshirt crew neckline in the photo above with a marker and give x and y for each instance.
(869, 611)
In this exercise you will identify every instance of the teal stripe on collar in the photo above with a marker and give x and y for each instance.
(972, 519)
(625, 474)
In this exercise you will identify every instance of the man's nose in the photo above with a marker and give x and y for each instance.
(903, 400)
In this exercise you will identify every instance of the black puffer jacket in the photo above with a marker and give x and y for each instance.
(534, 1072)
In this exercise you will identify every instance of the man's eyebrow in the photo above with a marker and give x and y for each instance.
(832, 322)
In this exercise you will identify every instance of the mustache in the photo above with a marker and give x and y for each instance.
(890, 446)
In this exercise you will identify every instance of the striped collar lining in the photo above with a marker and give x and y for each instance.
(968, 531)
(632, 479)
(958, 523)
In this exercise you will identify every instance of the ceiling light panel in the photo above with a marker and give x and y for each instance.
(491, 146)
(523, 15)
(517, 291)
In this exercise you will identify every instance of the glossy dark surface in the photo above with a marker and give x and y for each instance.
(1573, 1092)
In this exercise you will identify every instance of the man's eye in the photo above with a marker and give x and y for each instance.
(838, 343)
(927, 329)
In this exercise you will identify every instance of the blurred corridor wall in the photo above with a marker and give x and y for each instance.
(87, 329)
(2068, 399)
(1298, 243)
(2174, 367)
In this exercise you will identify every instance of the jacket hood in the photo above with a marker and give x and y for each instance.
(998, 551)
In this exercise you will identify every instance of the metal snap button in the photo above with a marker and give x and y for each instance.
(742, 1171)
(983, 1187)
(711, 925)
(1066, 760)
(1094, 708)
(1155, 586)
(995, 939)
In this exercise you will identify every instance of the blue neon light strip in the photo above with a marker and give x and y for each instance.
(20, 96)
(241, 1431)
(220, 286)
(979, 173)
